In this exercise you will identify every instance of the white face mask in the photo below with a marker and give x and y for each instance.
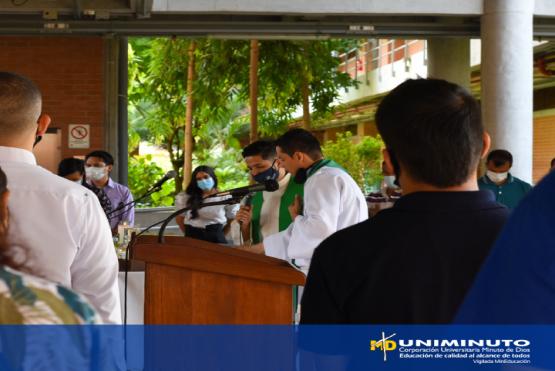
(497, 177)
(389, 181)
(80, 181)
(95, 173)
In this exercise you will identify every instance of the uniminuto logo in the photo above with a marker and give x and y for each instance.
(384, 344)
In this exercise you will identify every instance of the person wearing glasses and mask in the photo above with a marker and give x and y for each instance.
(112, 196)
(269, 211)
(204, 223)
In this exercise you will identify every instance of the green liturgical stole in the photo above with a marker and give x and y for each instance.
(320, 164)
(287, 199)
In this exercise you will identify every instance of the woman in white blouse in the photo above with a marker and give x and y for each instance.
(206, 223)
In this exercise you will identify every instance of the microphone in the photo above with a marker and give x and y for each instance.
(247, 201)
(269, 185)
(169, 175)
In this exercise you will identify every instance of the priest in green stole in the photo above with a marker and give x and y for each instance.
(269, 212)
(332, 200)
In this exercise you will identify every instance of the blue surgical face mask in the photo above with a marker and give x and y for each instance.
(270, 174)
(206, 184)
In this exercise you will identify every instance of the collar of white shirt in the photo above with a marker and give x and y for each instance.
(12, 154)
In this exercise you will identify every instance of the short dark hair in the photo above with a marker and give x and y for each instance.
(263, 148)
(300, 140)
(500, 157)
(70, 165)
(553, 162)
(20, 103)
(105, 156)
(433, 128)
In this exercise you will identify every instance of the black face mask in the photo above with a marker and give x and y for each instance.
(270, 174)
(38, 138)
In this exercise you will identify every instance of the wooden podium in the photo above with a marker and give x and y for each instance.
(189, 281)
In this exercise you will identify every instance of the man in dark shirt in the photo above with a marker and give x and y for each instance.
(413, 263)
(508, 189)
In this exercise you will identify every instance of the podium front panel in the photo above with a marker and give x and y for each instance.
(183, 296)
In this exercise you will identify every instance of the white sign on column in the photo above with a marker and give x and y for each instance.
(79, 136)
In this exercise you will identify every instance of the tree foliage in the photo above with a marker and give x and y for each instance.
(362, 159)
(157, 95)
(143, 172)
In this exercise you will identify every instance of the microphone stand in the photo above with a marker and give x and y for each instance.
(148, 193)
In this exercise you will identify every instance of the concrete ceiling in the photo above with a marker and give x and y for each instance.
(261, 18)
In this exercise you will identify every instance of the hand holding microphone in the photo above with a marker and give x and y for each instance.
(244, 215)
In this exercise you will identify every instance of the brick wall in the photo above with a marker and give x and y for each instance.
(69, 72)
(544, 145)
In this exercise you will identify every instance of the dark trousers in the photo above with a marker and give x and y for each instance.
(212, 233)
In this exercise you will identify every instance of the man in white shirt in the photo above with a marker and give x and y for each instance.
(58, 224)
(332, 200)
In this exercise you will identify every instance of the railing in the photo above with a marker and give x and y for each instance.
(375, 54)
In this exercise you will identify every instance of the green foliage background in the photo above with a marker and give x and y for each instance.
(362, 160)
(157, 100)
(143, 172)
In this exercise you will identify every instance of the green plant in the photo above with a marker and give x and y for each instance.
(142, 174)
(362, 160)
(157, 97)
(370, 151)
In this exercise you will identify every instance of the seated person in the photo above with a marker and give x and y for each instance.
(72, 169)
(112, 196)
(33, 300)
(508, 189)
(413, 263)
(204, 223)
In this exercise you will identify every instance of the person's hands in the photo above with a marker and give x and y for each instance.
(296, 208)
(244, 217)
